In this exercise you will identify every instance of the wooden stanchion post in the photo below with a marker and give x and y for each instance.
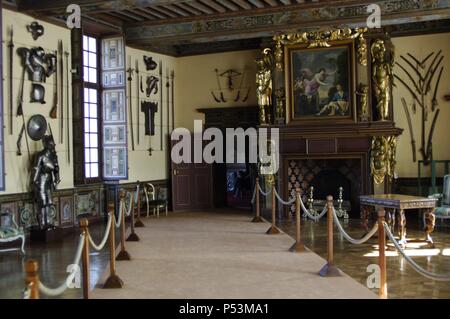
(133, 236)
(139, 222)
(123, 254)
(257, 218)
(85, 258)
(298, 246)
(32, 278)
(330, 270)
(113, 280)
(273, 229)
(382, 255)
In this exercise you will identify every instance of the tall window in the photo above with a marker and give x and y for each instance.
(91, 108)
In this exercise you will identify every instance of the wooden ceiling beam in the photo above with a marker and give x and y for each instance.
(286, 2)
(153, 13)
(177, 10)
(243, 4)
(214, 5)
(231, 6)
(165, 12)
(272, 3)
(199, 6)
(188, 8)
(123, 16)
(144, 15)
(257, 3)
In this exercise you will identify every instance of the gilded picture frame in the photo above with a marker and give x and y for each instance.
(321, 82)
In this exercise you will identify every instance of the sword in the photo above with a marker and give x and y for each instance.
(168, 100)
(66, 54)
(11, 60)
(172, 78)
(130, 72)
(161, 105)
(137, 97)
(61, 84)
(54, 110)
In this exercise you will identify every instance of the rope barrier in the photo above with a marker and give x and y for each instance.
(63, 287)
(265, 193)
(311, 216)
(105, 237)
(128, 211)
(290, 202)
(121, 211)
(254, 195)
(414, 265)
(351, 239)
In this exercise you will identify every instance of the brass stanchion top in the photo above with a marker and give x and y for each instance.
(84, 223)
(381, 213)
(31, 266)
(122, 194)
(330, 200)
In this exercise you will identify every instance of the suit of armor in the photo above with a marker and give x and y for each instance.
(45, 179)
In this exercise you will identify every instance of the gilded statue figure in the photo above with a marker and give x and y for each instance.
(363, 93)
(381, 77)
(379, 158)
(264, 86)
(392, 142)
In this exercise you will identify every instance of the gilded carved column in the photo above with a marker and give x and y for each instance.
(382, 76)
(382, 159)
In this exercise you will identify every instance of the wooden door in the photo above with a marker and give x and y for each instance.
(191, 185)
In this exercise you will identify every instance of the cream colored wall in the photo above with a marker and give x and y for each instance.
(196, 79)
(17, 172)
(141, 166)
(421, 46)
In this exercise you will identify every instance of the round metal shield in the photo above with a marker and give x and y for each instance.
(37, 126)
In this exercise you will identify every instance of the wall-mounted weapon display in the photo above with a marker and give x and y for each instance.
(61, 90)
(150, 65)
(130, 101)
(161, 104)
(66, 56)
(234, 94)
(137, 97)
(168, 100)
(54, 110)
(11, 88)
(149, 109)
(421, 74)
(152, 85)
(35, 29)
(172, 81)
(36, 127)
(20, 113)
(39, 65)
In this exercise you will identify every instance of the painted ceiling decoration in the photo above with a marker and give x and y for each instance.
(179, 27)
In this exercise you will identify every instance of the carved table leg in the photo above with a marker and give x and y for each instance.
(390, 214)
(402, 227)
(365, 211)
(429, 226)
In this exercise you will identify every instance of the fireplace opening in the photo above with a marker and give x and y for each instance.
(328, 181)
(326, 176)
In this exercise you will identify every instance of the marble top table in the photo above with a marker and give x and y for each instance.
(396, 204)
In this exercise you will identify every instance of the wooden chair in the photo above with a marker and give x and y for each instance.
(153, 201)
(10, 231)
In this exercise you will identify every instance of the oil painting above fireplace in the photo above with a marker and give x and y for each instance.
(321, 82)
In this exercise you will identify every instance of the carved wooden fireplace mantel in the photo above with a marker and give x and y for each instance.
(307, 150)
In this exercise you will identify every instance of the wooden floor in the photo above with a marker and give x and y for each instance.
(403, 281)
